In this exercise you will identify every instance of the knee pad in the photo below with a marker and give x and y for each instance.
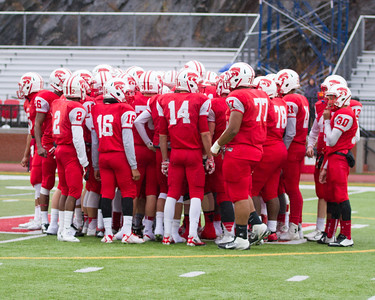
(106, 206)
(127, 206)
(346, 210)
(333, 209)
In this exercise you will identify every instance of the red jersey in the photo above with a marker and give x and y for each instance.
(140, 104)
(31, 112)
(184, 117)
(319, 109)
(26, 108)
(356, 107)
(253, 104)
(43, 104)
(209, 91)
(66, 113)
(276, 121)
(344, 119)
(298, 108)
(217, 115)
(109, 120)
(152, 105)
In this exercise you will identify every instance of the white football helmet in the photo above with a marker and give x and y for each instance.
(211, 78)
(150, 83)
(169, 78)
(166, 90)
(102, 68)
(239, 75)
(188, 80)
(130, 80)
(30, 82)
(135, 71)
(87, 76)
(75, 87)
(57, 78)
(119, 89)
(100, 78)
(221, 87)
(341, 93)
(197, 66)
(267, 85)
(287, 80)
(332, 80)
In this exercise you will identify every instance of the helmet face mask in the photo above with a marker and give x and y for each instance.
(338, 96)
(29, 83)
(221, 88)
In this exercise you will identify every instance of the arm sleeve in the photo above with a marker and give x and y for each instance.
(94, 150)
(313, 135)
(139, 124)
(332, 136)
(211, 116)
(41, 105)
(77, 132)
(357, 135)
(290, 131)
(128, 142)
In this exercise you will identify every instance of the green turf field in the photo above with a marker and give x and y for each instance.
(43, 268)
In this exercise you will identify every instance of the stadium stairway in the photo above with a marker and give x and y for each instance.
(14, 62)
(362, 86)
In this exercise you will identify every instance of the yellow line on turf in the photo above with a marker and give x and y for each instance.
(188, 256)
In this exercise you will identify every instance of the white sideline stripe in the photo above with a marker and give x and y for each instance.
(373, 279)
(14, 177)
(371, 298)
(22, 239)
(298, 278)
(11, 200)
(357, 226)
(12, 195)
(350, 188)
(351, 193)
(312, 227)
(23, 187)
(89, 269)
(32, 232)
(192, 274)
(1, 264)
(20, 216)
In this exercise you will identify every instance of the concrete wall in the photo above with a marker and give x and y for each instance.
(363, 164)
(12, 144)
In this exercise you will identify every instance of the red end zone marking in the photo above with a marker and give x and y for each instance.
(10, 224)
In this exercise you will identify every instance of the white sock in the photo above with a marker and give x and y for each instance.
(44, 215)
(68, 219)
(78, 216)
(175, 236)
(263, 209)
(159, 223)
(54, 216)
(218, 228)
(194, 215)
(148, 225)
(61, 220)
(320, 222)
(100, 219)
(37, 188)
(37, 213)
(272, 225)
(108, 226)
(93, 223)
(169, 207)
(127, 225)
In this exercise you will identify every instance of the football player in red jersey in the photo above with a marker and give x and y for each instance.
(116, 164)
(29, 85)
(46, 148)
(68, 116)
(243, 138)
(184, 117)
(316, 136)
(266, 175)
(340, 131)
(295, 140)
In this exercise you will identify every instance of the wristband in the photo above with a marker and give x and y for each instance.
(215, 148)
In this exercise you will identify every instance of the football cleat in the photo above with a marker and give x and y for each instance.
(149, 237)
(237, 244)
(272, 237)
(27, 224)
(258, 233)
(132, 239)
(224, 239)
(44, 227)
(119, 235)
(314, 236)
(342, 241)
(291, 234)
(52, 230)
(167, 240)
(107, 239)
(91, 232)
(138, 231)
(68, 236)
(34, 225)
(100, 232)
(158, 237)
(194, 241)
(300, 231)
(176, 238)
(326, 240)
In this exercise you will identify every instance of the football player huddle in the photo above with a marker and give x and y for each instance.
(152, 145)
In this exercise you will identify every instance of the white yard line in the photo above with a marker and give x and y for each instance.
(192, 274)
(22, 238)
(298, 278)
(89, 269)
(9, 217)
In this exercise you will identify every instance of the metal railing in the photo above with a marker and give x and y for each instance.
(128, 29)
(354, 47)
